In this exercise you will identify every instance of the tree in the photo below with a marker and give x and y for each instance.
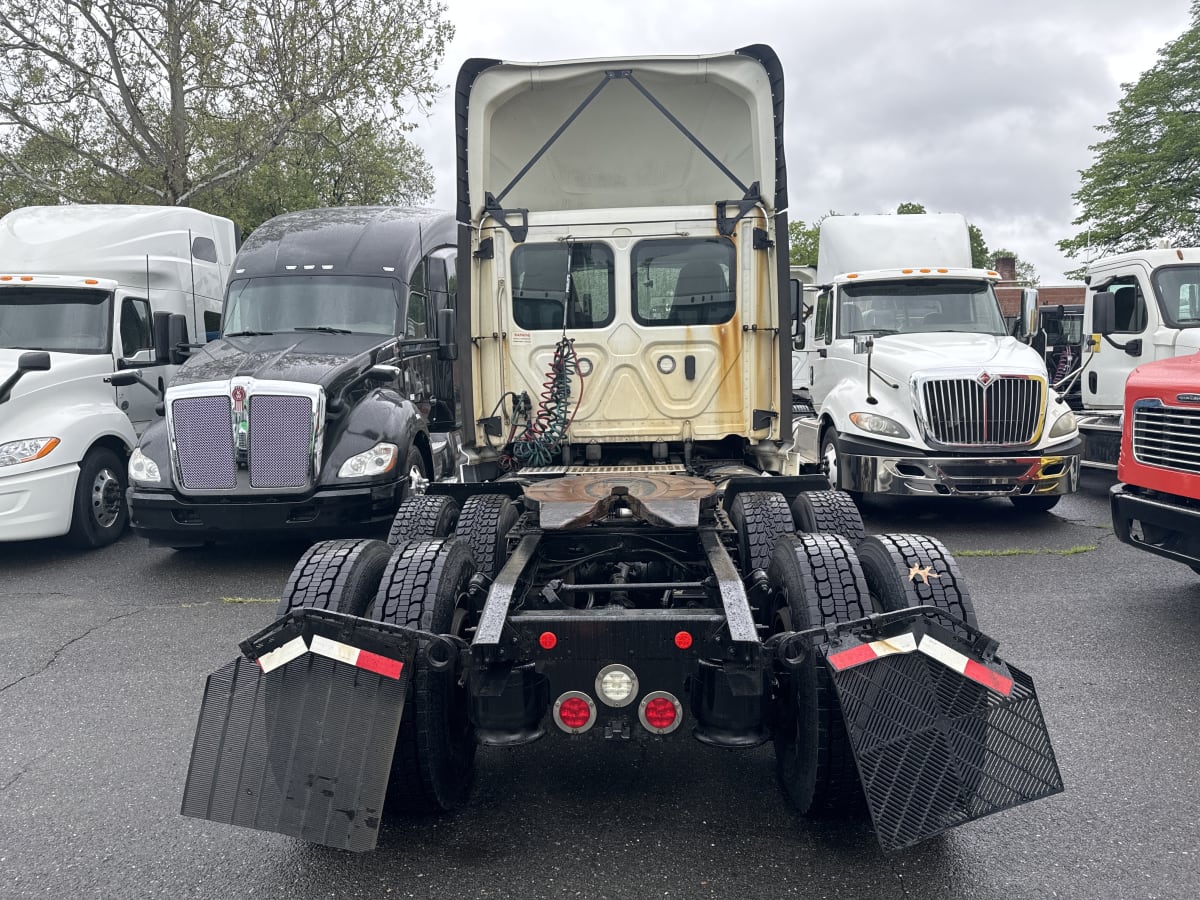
(192, 102)
(1144, 183)
(802, 242)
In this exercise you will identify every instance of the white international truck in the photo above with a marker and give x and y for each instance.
(97, 306)
(1140, 307)
(906, 381)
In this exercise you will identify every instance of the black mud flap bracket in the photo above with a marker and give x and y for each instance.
(297, 736)
(943, 731)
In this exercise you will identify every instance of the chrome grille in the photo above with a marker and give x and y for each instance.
(1167, 436)
(1006, 412)
(203, 428)
(280, 441)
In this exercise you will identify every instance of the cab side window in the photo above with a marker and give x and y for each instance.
(1130, 306)
(417, 325)
(822, 321)
(136, 331)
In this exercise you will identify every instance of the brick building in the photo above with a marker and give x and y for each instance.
(1008, 290)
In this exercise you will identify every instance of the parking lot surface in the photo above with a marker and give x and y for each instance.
(105, 654)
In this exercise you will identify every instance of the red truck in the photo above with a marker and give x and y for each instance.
(1157, 505)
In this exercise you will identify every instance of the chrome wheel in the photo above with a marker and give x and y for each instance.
(107, 501)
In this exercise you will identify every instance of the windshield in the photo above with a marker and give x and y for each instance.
(921, 305)
(65, 320)
(1179, 294)
(353, 303)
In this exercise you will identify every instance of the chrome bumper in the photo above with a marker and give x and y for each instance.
(956, 476)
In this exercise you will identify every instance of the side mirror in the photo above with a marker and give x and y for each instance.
(1104, 312)
(447, 321)
(170, 338)
(383, 372)
(30, 361)
(1027, 324)
(33, 361)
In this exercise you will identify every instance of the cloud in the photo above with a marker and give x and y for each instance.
(987, 109)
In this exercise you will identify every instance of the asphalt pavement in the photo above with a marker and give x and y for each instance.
(103, 657)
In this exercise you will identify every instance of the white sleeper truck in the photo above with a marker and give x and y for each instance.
(97, 307)
(906, 381)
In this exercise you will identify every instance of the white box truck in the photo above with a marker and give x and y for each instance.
(906, 380)
(97, 306)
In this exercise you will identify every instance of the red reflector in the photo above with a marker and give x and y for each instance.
(373, 662)
(660, 713)
(852, 657)
(574, 712)
(988, 678)
(548, 640)
(683, 640)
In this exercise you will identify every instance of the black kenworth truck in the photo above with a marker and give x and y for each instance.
(630, 552)
(329, 394)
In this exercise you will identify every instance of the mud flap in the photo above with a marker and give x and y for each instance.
(942, 734)
(297, 738)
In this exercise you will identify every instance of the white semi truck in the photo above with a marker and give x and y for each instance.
(906, 380)
(1139, 307)
(97, 306)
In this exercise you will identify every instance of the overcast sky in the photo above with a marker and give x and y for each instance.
(982, 108)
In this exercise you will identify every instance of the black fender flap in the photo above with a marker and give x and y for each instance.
(297, 737)
(942, 733)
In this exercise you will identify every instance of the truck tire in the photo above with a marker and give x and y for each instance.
(819, 581)
(422, 518)
(99, 514)
(342, 576)
(425, 586)
(1035, 503)
(893, 565)
(761, 518)
(888, 561)
(483, 525)
(828, 512)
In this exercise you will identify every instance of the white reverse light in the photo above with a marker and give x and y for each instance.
(616, 685)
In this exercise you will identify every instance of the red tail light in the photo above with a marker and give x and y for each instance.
(660, 712)
(574, 712)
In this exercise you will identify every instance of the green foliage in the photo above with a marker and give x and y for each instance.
(910, 209)
(802, 242)
(239, 106)
(1144, 183)
(979, 250)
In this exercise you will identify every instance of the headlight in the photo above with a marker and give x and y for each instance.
(26, 451)
(877, 424)
(142, 469)
(1065, 425)
(376, 461)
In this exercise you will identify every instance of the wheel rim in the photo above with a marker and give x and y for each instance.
(106, 498)
(829, 459)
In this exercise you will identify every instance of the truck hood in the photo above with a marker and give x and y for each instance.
(64, 368)
(902, 356)
(1166, 378)
(306, 357)
(607, 144)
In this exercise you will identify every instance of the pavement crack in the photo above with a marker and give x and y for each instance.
(59, 650)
